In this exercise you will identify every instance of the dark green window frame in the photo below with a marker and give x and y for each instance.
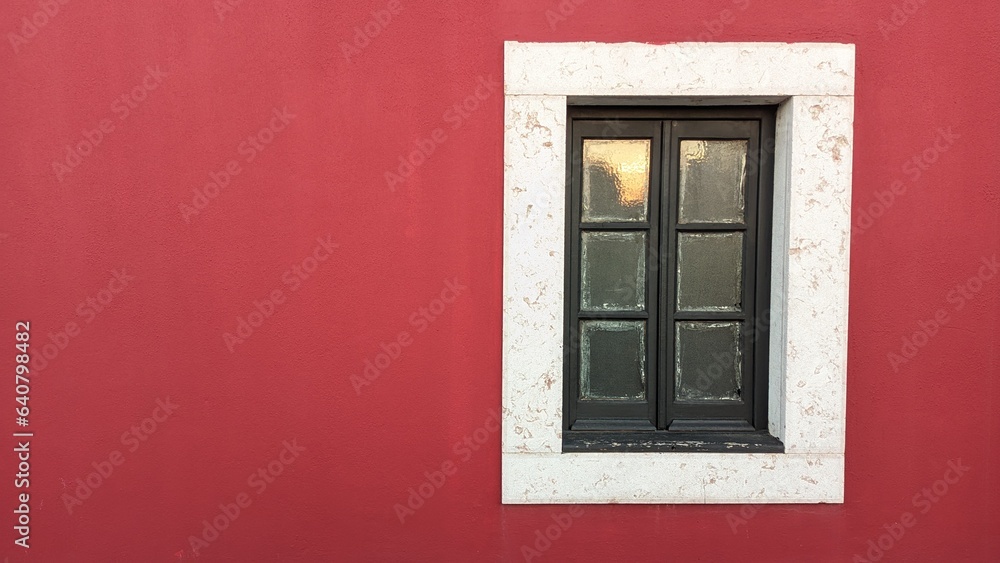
(659, 420)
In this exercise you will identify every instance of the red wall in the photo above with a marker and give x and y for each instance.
(63, 231)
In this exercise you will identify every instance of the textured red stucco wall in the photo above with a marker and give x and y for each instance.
(132, 271)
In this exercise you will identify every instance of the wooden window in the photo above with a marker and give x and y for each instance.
(668, 246)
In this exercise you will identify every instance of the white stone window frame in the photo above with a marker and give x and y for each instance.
(813, 85)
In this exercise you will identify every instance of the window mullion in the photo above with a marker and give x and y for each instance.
(653, 293)
(668, 271)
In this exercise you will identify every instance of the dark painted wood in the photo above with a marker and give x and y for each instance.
(662, 423)
(632, 441)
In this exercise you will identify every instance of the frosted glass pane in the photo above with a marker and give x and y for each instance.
(613, 360)
(709, 364)
(613, 271)
(615, 180)
(712, 181)
(709, 271)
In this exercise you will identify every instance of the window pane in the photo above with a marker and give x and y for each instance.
(613, 360)
(709, 365)
(712, 181)
(709, 271)
(614, 271)
(615, 180)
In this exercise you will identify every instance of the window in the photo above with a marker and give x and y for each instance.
(668, 279)
(811, 87)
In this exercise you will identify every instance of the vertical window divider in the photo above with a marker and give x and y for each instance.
(764, 167)
(668, 276)
(749, 296)
(652, 277)
(571, 342)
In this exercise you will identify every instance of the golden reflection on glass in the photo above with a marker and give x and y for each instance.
(615, 179)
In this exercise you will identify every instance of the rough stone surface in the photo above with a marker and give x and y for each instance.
(810, 269)
(652, 478)
(679, 69)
